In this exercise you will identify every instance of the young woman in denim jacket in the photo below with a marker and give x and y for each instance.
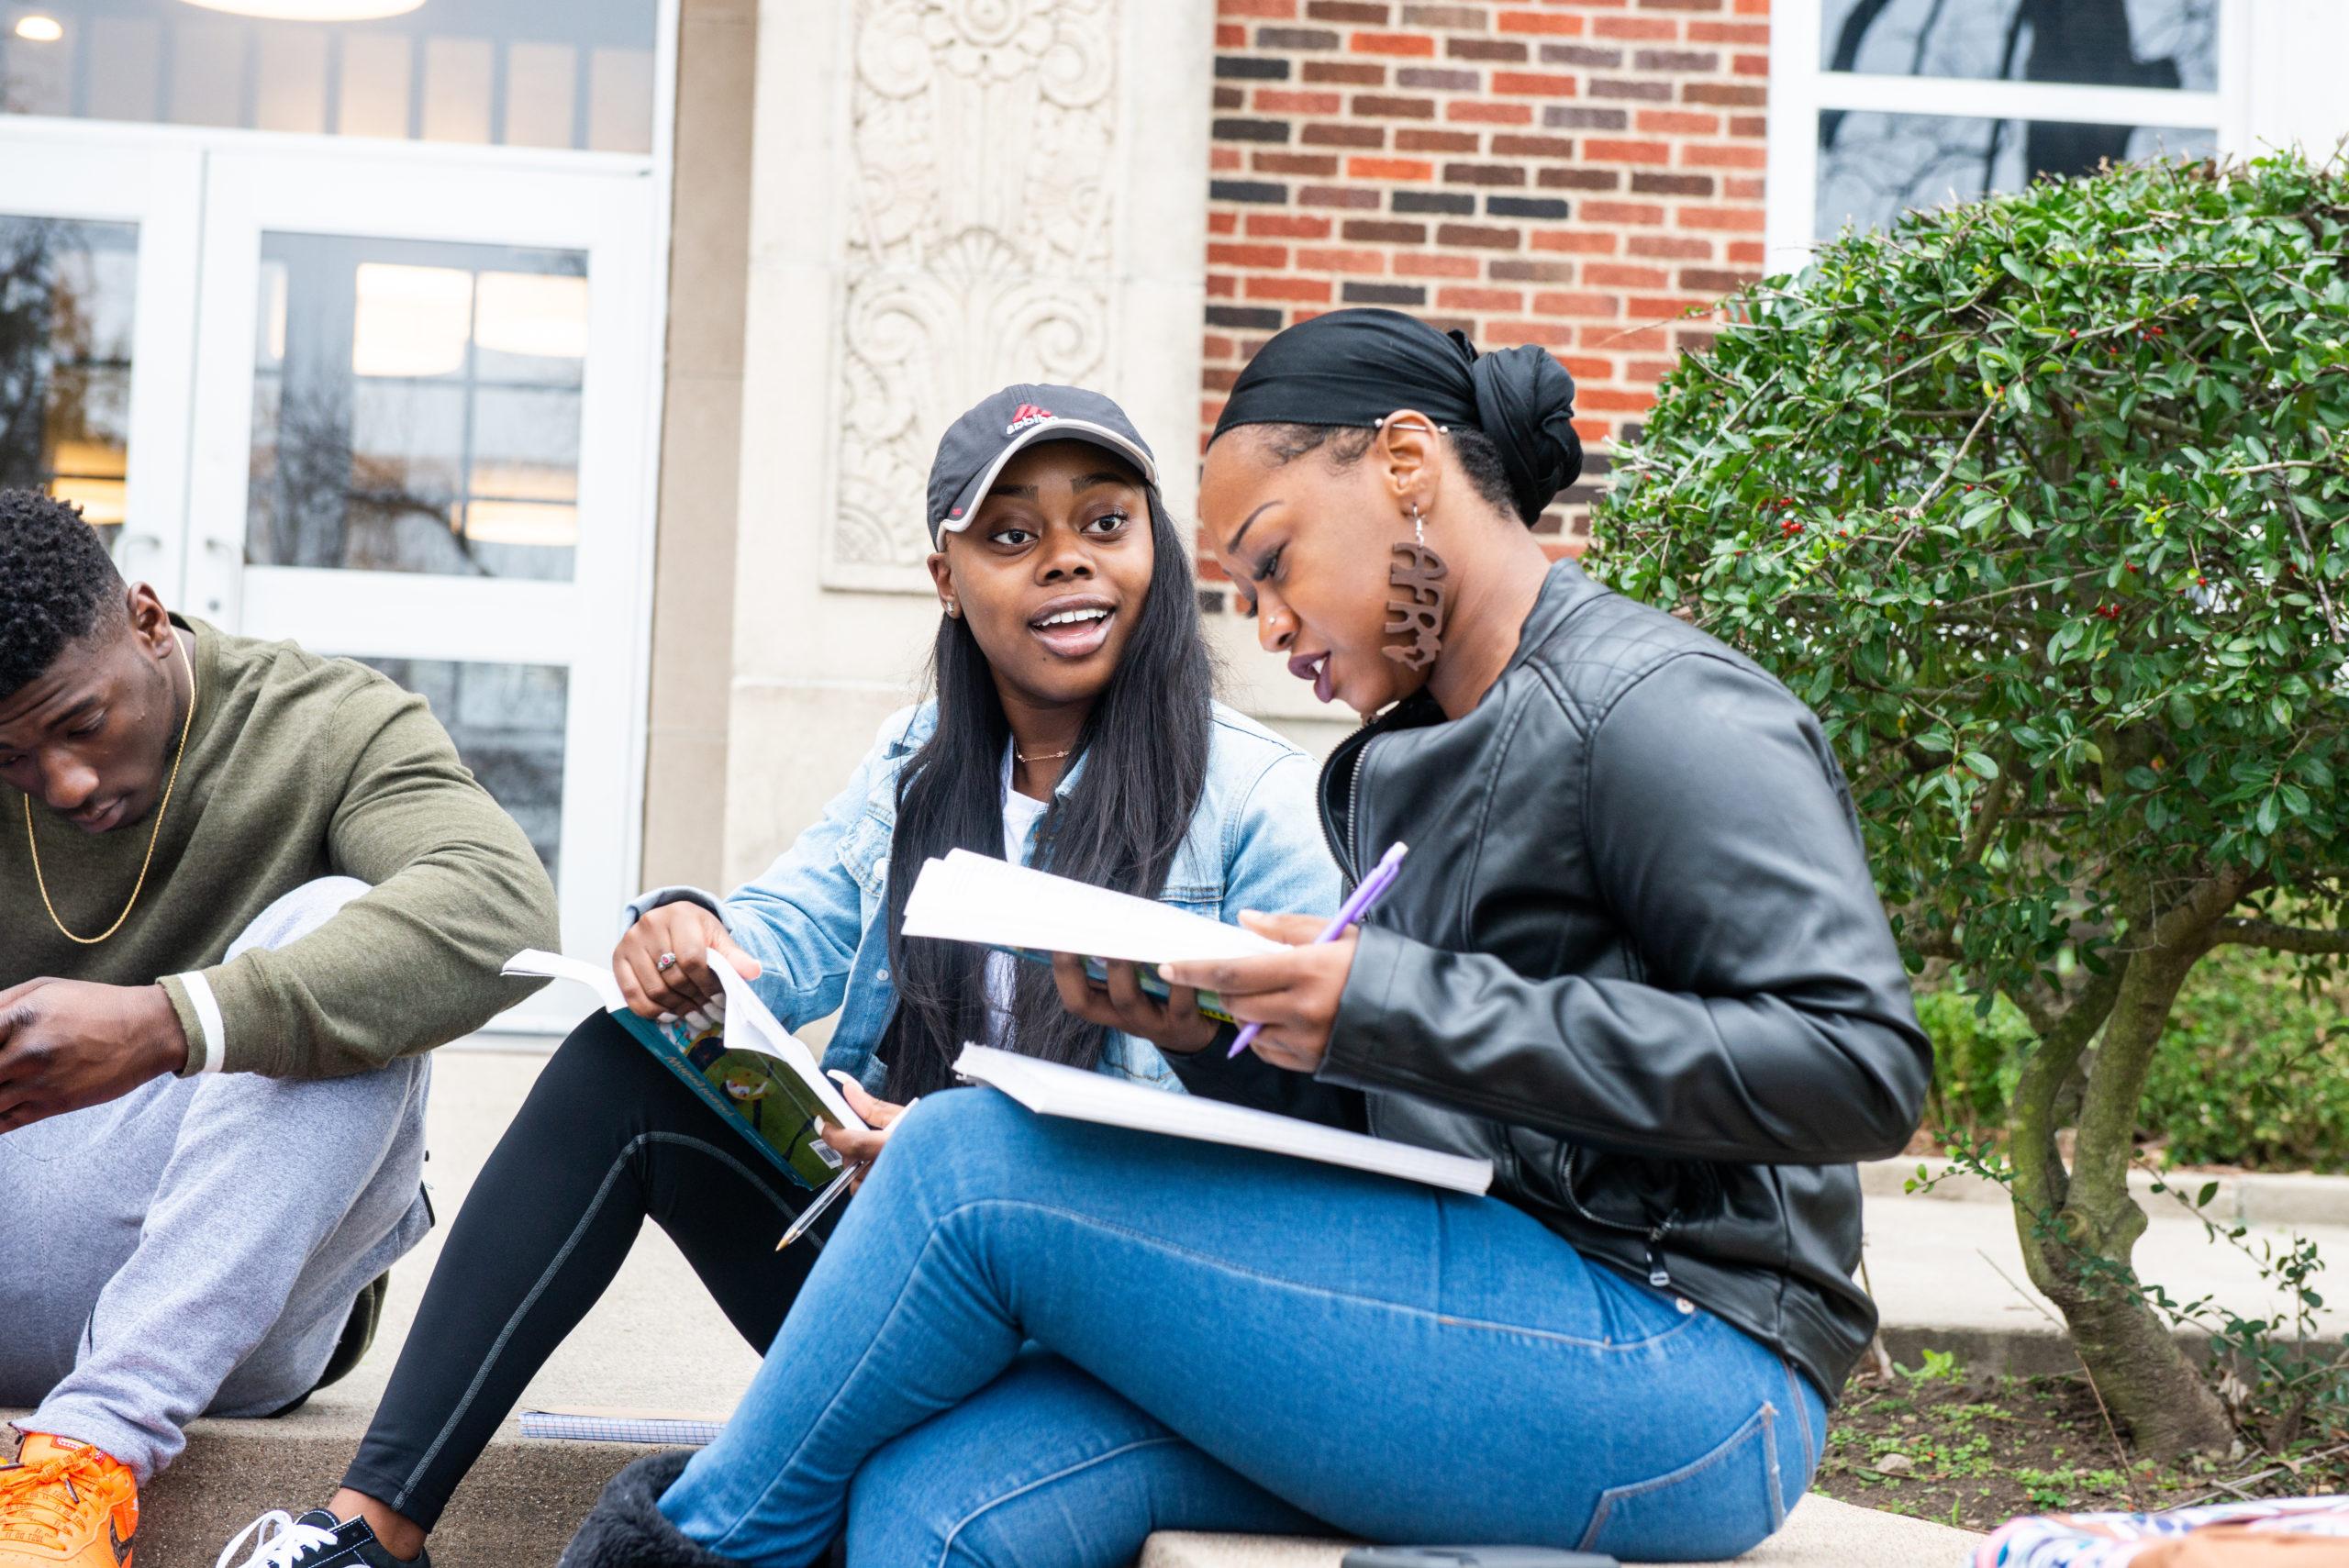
(1074, 727)
(1634, 960)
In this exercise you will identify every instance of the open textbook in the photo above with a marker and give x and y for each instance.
(1050, 1088)
(747, 1067)
(969, 897)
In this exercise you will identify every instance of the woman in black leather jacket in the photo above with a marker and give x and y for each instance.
(1633, 958)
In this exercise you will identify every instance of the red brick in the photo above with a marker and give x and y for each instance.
(1354, 136)
(1622, 212)
(1466, 19)
(1714, 281)
(1230, 35)
(1668, 307)
(1506, 49)
(1750, 66)
(1341, 261)
(1410, 139)
(1608, 149)
(1540, 22)
(1465, 234)
(1247, 255)
(1435, 265)
(1346, 72)
(1578, 241)
(1287, 226)
(1576, 302)
(1634, 27)
(1383, 231)
(1221, 286)
(1312, 165)
(1746, 252)
(1672, 246)
(1745, 189)
(1650, 370)
(1645, 184)
(1729, 219)
(1728, 94)
(1505, 175)
(1584, 367)
(1509, 270)
(1532, 146)
(1477, 111)
(1276, 10)
(1223, 222)
(1352, 198)
(1479, 299)
(1620, 275)
(1536, 83)
(1703, 155)
(1312, 291)
(1389, 169)
(1394, 108)
(1416, 44)
(1755, 33)
(1577, 178)
(1755, 125)
(1549, 334)
(1666, 122)
(1223, 160)
(1359, 12)
(1605, 400)
(1288, 101)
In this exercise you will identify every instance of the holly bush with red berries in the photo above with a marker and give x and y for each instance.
(2042, 502)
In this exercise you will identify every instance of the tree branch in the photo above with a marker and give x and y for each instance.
(2279, 939)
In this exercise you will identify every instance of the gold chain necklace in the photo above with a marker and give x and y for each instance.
(165, 805)
(1047, 757)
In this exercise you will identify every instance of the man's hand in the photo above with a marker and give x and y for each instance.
(686, 931)
(1293, 995)
(1176, 1024)
(67, 1044)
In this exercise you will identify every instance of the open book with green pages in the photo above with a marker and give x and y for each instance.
(747, 1067)
(1032, 915)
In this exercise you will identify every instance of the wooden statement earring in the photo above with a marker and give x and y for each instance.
(1419, 572)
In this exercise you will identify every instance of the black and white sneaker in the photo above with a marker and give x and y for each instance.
(314, 1541)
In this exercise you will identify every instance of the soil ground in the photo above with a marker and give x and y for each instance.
(1976, 1451)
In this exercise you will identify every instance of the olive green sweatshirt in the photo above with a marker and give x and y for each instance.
(297, 767)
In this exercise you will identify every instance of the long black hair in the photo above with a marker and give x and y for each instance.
(1144, 750)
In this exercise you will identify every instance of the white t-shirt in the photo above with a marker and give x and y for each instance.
(1020, 816)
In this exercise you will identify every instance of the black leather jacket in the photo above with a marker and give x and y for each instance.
(1636, 960)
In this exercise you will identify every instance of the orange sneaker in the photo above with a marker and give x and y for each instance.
(66, 1504)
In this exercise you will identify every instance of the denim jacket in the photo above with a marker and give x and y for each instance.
(815, 917)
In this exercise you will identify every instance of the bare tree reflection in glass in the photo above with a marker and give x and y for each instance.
(65, 332)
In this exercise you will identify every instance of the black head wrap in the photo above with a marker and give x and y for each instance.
(1355, 367)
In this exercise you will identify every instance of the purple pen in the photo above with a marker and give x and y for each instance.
(1372, 889)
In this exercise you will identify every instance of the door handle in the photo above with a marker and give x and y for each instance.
(223, 600)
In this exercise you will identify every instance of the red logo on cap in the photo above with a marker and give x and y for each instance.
(1028, 414)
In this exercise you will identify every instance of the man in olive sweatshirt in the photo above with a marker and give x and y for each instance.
(244, 890)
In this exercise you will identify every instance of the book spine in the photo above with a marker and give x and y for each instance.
(656, 1040)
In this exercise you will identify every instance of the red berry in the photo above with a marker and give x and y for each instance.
(2112, 484)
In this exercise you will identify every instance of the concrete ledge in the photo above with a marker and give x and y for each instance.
(1820, 1533)
(2250, 1199)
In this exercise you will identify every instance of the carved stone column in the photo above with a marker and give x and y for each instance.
(949, 195)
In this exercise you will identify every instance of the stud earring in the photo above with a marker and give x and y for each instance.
(953, 610)
(1419, 616)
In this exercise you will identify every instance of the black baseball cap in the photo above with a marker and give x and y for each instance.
(976, 446)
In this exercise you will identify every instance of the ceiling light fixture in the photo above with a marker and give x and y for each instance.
(312, 10)
(40, 29)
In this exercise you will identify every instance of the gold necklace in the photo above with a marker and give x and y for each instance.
(161, 807)
(1047, 757)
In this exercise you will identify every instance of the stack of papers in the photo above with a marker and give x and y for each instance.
(1050, 1088)
(976, 898)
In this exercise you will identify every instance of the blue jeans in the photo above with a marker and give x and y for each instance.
(1034, 1342)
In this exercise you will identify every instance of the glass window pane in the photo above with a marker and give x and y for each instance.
(2104, 43)
(508, 721)
(1873, 167)
(416, 407)
(491, 72)
(67, 293)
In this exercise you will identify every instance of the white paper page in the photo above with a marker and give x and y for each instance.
(536, 962)
(1053, 1089)
(749, 1026)
(977, 898)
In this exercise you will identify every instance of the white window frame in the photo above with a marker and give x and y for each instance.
(1800, 88)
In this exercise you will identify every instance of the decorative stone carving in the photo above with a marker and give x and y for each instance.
(980, 241)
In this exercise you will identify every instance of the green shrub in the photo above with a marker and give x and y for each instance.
(2251, 1070)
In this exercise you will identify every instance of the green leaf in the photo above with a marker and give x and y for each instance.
(1980, 764)
(2209, 1190)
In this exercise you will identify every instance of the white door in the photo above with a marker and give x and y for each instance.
(421, 439)
(97, 335)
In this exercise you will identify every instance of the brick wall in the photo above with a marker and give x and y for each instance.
(1586, 174)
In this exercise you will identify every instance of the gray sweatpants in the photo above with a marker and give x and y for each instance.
(194, 1247)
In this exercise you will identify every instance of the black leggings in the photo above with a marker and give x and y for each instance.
(607, 1138)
